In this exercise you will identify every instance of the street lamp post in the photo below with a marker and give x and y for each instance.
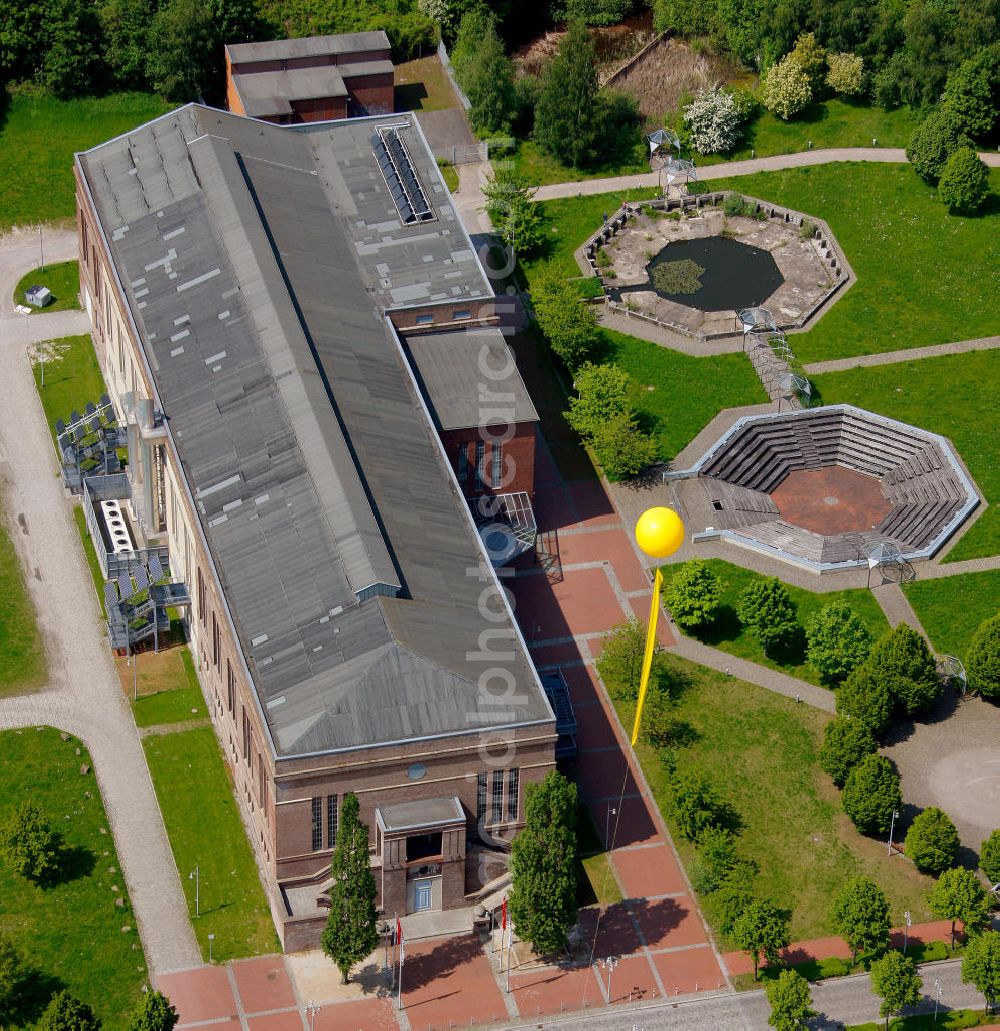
(211, 938)
(195, 876)
(937, 996)
(609, 965)
(906, 929)
(607, 825)
(892, 827)
(313, 1010)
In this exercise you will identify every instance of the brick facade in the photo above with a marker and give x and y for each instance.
(517, 459)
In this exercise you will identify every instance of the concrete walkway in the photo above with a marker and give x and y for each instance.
(83, 695)
(891, 357)
(803, 159)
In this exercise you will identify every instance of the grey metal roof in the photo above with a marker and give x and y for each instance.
(270, 93)
(447, 365)
(426, 812)
(310, 456)
(307, 46)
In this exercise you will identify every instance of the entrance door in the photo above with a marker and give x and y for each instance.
(422, 895)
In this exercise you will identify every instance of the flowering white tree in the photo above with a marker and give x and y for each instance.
(713, 120)
(786, 88)
(845, 73)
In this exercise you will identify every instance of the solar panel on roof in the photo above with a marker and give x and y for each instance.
(400, 176)
(125, 588)
(110, 596)
(141, 579)
(155, 569)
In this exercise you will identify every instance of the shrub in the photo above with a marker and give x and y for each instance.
(622, 448)
(602, 393)
(845, 744)
(734, 894)
(845, 74)
(811, 58)
(661, 728)
(620, 663)
(694, 804)
(838, 641)
(65, 1012)
(865, 698)
(767, 611)
(973, 90)
(733, 205)
(717, 856)
(569, 324)
(694, 594)
(982, 661)
(933, 141)
(713, 121)
(29, 846)
(596, 12)
(871, 794)
(153, 1013)
(965, 182)
(786, 89)
(932, 841)
(511, 211)
(989, 857)
(12, 975)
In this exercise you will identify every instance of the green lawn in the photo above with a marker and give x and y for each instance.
(38, 137)
(91, 555)
(22, 655)
(71, 934)
(946, 1020)
(924, 276)
(671, 410)
(729, 636)
(169, 691)
(449, 173)
(629, 156)
(422, 85)
(63, 279)
(952, 608)
(72, 377)
(759, 750)
(829, 123)
(950, 395)
(210, 835)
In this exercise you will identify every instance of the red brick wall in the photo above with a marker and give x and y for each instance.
(518, 457)
(321, 109)
(370, 95)
(414, 320)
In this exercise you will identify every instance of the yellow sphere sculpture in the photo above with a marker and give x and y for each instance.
(659, 532)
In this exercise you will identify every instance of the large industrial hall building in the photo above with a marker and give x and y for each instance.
(326, 431)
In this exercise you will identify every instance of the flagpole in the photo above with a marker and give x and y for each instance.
(399, 987)
(510, 934)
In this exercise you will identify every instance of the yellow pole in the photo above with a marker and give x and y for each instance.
(647, 658)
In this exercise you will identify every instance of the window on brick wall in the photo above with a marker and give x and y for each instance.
(215, 642)
(201, 597)
(331, 820)
(230, 686)
(481, 798)
(481, 461)
(496, 466)
(245, 728)
(261, 790)
(513, 785)
(463, 463)
(317, 824)
(496, 797)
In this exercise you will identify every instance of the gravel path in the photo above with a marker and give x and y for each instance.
(83, 695)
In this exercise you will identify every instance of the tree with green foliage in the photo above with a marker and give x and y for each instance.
(661, 727)
(70, 62)
(864, 697)
(30, 847)
(486, 75)
(872, 794)
(717, 856)
(543, 864)
(981, 966)
(860, 915)
(973, 92)
(350, 933)
(845, 743)
(810, 56)
(901, 658)
(933, 141)
(683, 17)
(932, 841)
(623, 448)
(510, 207)
(713, 121)
(569, 324)
(694, 596)
(694, 804)
(601, 394)
(125, 26)
(787, 90)
(620, 661)
(965, 182)
(982, 660)
(913, 697)
(767, 611)
(153, 1013)
(958, 895)
(838, 641)
(791, 1001)
(896, 981)
(592, 12)
(566, 125)
(845, 74)
(989, 857)
(12, 974)
(65, 1012)
(181, 62)
(762, 931)
(734, 895)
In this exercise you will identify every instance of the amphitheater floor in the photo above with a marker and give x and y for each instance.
(831, 500)
(952, 760)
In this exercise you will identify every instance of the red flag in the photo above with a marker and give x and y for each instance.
(399, 939)
(503, 915)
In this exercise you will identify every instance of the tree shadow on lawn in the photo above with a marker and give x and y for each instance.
(74, 862)
(32, 996)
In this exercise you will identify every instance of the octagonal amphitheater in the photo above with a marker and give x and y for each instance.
(822, 486)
